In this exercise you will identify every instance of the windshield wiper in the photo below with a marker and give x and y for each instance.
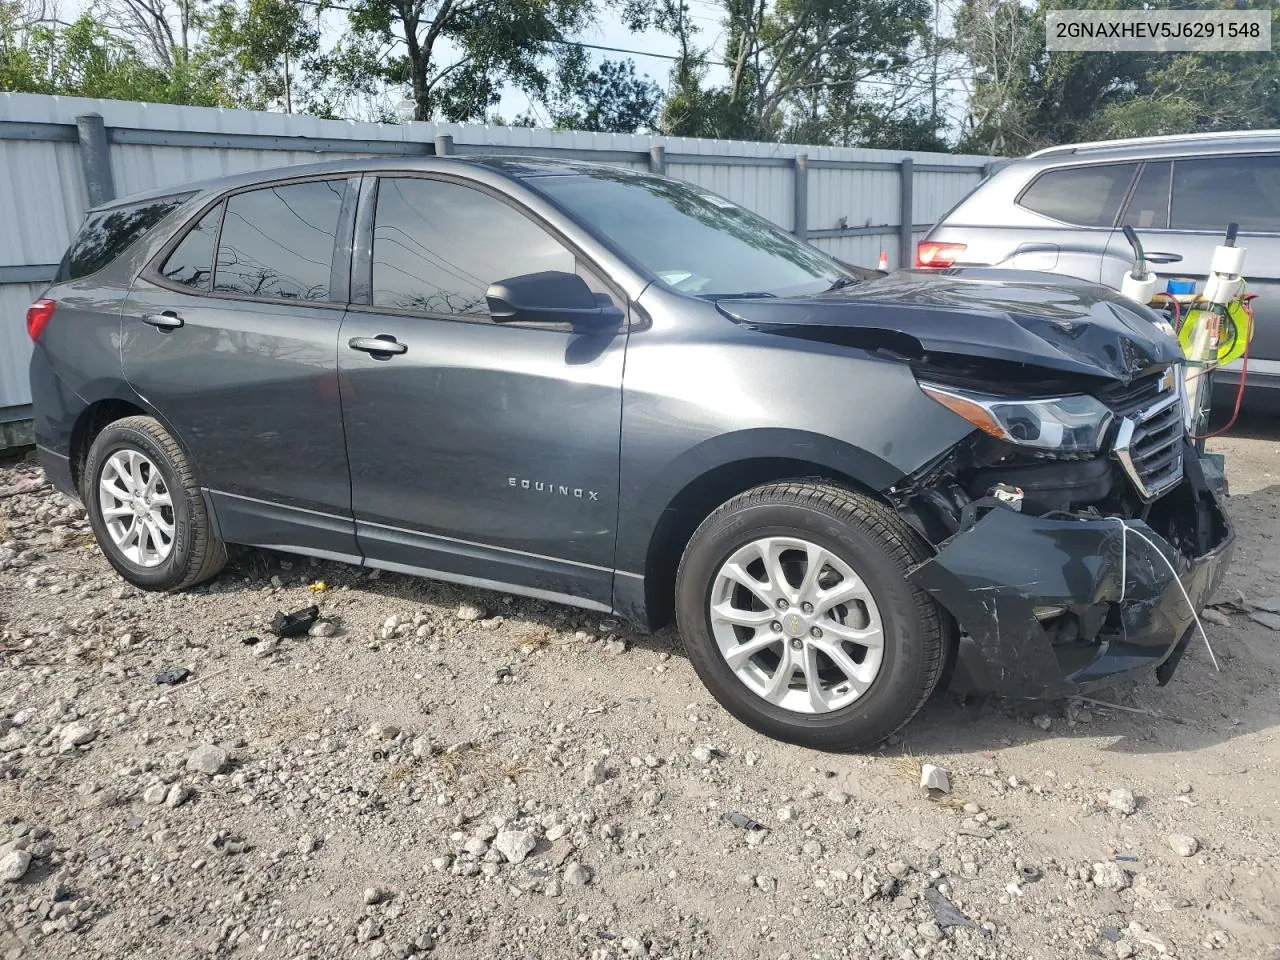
(839, 283)
(745, 295)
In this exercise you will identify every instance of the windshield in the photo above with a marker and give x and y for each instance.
(693, 241)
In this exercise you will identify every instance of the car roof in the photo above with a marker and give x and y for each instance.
(1230, 141)
(511, 166)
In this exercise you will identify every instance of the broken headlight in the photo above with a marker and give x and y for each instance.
(1071, 424)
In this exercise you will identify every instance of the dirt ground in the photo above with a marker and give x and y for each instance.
(460, 774)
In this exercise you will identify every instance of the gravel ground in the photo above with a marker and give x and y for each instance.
(452, 773)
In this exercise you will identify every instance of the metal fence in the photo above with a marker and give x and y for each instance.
(60, 155)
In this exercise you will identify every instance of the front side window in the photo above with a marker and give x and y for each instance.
(191, 263)
(1210, 193)
(107, 234)
(437, 246)
(693, 241)
(1084, 196)
(277, 242)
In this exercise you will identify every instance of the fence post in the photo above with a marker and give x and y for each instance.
(800, 214)
(906, 214)
(95, 158)
(657, 159)
(444, 145)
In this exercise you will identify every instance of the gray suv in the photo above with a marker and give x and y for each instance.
(1061, 210)
(618, 391)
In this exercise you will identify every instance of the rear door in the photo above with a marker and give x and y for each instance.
(232, 335)
(1182, 206)
(1078, 207)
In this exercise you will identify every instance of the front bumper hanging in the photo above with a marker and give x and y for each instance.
(1039, 601)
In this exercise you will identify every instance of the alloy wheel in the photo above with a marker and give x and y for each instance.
(137, 508)
(796, 624)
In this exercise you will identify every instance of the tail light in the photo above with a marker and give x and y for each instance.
(931, 253)
(38, 316)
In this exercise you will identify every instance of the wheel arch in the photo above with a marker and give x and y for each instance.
(100, 413)
(691, 488)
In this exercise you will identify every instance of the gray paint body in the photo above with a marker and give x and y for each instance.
(540, 460)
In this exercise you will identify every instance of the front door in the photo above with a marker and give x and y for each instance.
(237, 350)
(482, 453)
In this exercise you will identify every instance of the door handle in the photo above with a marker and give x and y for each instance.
(168, 320)
(383, 343)
(1163, 257)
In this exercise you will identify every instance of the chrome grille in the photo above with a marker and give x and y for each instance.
(1149, 442)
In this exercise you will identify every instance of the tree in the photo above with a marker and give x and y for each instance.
(260, 46)
(607, 98)
(1023, 97)
(792, 63)
(457, 55)
(85, 59)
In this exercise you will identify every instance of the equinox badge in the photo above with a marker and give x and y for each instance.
(540, 486)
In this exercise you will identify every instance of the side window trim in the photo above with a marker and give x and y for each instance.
(362, 261)
(340, 267)
(217, 239)
(1133, 190)
(152, 271)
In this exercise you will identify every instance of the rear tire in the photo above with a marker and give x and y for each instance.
(798, 672)
(146, 509)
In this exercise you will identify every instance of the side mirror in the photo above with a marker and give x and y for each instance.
(551, 297)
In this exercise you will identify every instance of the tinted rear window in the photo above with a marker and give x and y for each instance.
(277, 242)
(1086, 196)
(1210, 193)
(191, 263)
(108, 233)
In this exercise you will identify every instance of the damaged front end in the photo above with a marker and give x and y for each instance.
(1063, 569)
(1075, 534)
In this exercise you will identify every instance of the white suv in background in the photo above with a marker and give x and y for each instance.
(1060, 210)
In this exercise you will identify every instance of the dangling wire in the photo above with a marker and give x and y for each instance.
(1124, 550)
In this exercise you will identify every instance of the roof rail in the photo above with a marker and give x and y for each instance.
(1140, 141)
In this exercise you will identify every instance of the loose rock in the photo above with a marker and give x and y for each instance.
(207, 759)
(515, 845)
(13, 865)
(934, 778)
(1183, 845)
(1122, 801)
(1110, 876)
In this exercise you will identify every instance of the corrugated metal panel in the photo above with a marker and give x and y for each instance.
(15, 345)
(42, 189)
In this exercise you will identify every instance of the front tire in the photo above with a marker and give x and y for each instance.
(793, 603)
(146, 509)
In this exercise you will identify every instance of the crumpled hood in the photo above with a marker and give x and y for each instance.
(1014, 315)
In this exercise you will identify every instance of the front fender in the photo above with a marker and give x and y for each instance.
(643, 508)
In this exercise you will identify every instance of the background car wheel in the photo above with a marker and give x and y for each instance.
(793, 603)
(146, 509)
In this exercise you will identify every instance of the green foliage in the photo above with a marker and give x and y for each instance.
(1024, 97)
(608, 98)
(798, 69)
(492, 44)
(84, 59)
(250, 42)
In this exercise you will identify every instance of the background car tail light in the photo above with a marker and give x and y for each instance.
(38, 316)
(931, 253)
